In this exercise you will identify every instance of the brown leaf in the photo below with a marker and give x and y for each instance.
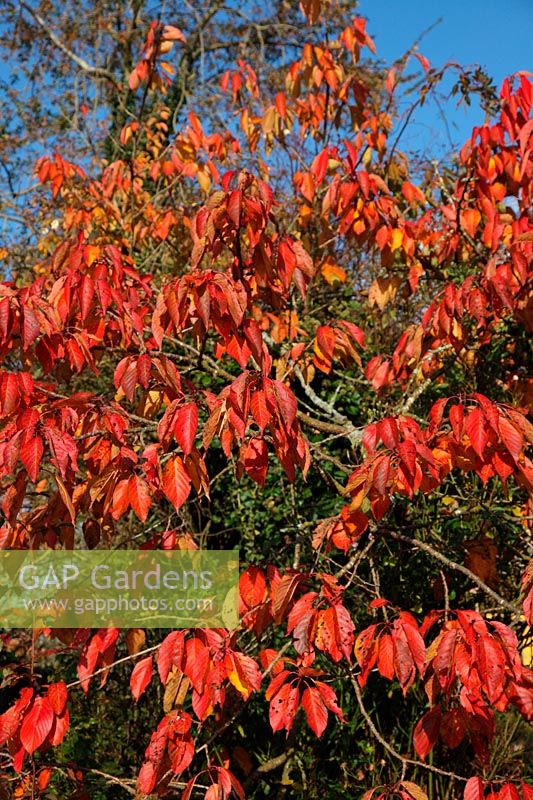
(481, 559)
(135, 640)
(176, 689)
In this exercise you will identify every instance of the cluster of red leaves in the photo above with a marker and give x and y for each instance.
(194, 154)
(403, 458)
(160, 40)
(470, 668)
(209, 660)
(473, 663)
(396, 649)
(499, 163)
(502, 289)
(337, 341)
(292, 689)
(269, 405)
(35, 722)
(243, 76)
(169, 753)
(315, 619)
(56, 171)
(475, 790)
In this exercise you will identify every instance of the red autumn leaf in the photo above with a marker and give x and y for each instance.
(412, 193)
(86, 294)
(197, 663)
(404, 663)
(283, 706)
(57, 694)
(181, 753)
(185, 426)
(452, 727)
(426, 732)
(509, 792)
(31, 454)
(284, 593)
(286, 402)
(170, 653)
(315, 710)
(319, 166)
(141, 677)
(511, 437)
(366, 649)
(254, 456)
(476, 430)
(473, 789)
(386, 656)
(59, 728)
(37, 724)
(9, 720)
(243, 672)
(234, 207)
(126, 377)
(144, 366)
(260, 410)
(30, 327)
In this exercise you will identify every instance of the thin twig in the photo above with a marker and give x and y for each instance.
(427, 548)
(383, 742)
(84, 65)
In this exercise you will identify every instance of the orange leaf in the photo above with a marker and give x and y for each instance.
(176, 481)
(139, 496)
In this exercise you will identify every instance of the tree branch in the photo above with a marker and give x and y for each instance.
(383, 742)
(349, 430)
(268, 766)
(54, 38)
(114, 664)
(427, 548)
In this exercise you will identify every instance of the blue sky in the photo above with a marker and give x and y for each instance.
(497, 34)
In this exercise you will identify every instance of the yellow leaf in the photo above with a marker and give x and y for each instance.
(150, 403)
(236, 681)
(92, 252)
(167, 67)
(332, 272)
(396, 239)
(204, 180)
(448, 501)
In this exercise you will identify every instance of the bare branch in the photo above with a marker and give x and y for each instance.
(427, 548)
(84, 65)
(383, 742)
